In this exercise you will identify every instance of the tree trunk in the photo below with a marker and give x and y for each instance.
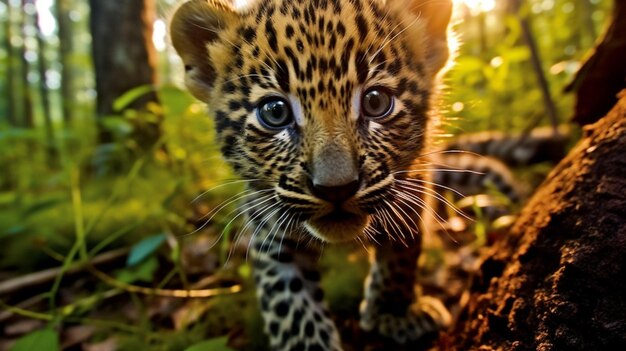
(28, 115)
(124, 58)
(603, 75)
(10, 81)
(66, 46)
(558, 280)
(44, 92)
(535, 60)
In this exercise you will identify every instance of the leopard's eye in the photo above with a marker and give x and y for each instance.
(274, 113)
(376, 103)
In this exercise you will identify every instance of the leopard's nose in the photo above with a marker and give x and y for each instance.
(336, 194)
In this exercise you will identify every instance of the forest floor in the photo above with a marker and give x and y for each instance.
(100, 311)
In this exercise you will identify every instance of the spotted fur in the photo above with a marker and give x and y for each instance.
(331, 174)
(544, 144)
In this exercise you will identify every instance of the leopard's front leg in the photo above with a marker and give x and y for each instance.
(291, 300)
(391, 307)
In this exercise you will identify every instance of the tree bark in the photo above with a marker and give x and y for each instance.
(558, 280)
(28, 115)
(124, 58)
(10, 81)
(603, 75)
(66, 47)
(44, 93)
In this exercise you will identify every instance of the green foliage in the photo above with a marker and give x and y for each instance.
(144, 249)
(142, 272)
(40, 340)
(492, 85)
(217, 344)
(124, 101)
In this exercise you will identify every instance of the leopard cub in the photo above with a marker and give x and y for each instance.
(325, 106)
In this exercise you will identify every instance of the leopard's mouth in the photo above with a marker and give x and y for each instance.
(339, 215)
(338, 226)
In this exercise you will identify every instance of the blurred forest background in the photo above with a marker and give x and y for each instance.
(106, 221)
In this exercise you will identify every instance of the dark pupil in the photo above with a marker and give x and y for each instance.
(374, 100)
(275, 112)
(376, 103)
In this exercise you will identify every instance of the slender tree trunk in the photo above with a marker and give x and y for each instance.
(10, 68)
(44, 93)
(527, 34)
(66, 47)
(28, 116)
(125, 58)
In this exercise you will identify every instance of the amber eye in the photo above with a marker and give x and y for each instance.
(274, 113)
(377, 103)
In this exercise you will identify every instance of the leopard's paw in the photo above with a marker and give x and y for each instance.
(426, 317)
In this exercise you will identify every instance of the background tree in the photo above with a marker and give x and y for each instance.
(66, 47)
(125, 58)
(603, 75)
(44, 92)
(28, 114)
(9, 67)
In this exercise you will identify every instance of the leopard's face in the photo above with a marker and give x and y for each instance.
(324, 104)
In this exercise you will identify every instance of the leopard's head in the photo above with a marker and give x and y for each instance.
(325, 103)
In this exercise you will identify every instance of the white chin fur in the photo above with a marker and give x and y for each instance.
(337, 232)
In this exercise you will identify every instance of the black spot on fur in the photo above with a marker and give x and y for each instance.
(361, 67)
(312, 275)
(248, 34)
(362, 27)
(318, 295)
(271, 35)
(274, 328)
(309, 329)
(282, 75)
(281, 309)
(341, 29)
(295, 286)
(289, 31)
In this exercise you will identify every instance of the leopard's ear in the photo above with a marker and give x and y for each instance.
(436, 15)
(193, 28)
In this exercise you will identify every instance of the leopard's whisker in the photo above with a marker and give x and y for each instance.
(448, 151)
(288, 229)
(251, 220)
(251, 204)
(451, 170)
(395, 225)
(433, 194)
(224, 204)
(270, 212)
(261, 201)
(424, 206)
(240, 195)
(398, 215)
(414, 180)
(401, 195)
(275, 228)
(226, 183)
